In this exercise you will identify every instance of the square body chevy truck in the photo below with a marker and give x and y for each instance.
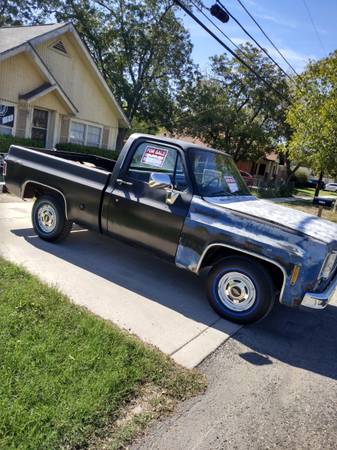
(188, 205)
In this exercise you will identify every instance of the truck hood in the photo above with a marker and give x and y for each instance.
(268, 211)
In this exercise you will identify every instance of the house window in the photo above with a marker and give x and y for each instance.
(93, 136)
(40, 125)
(84, 134)
(77, 133)
(6, 119)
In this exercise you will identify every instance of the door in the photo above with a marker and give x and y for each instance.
(40, 125)
(140, 213)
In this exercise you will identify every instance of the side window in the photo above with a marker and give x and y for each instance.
(180, 180)
(150, 158)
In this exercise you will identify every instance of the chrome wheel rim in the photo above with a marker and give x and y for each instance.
(46, 217)
(236, 291)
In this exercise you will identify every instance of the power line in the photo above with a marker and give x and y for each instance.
(313, 25)
(256, 42)
(216, 26)
(265, 34)
(243, 62)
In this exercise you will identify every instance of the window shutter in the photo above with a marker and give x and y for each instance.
(65, 124)
(105, 137)
(21, 122)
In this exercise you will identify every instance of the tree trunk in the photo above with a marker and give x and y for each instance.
(290, 173)
(319, 184)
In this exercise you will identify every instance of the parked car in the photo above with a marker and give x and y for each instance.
(312, 183)
(331, 187)
(247, 177)
(190, 206)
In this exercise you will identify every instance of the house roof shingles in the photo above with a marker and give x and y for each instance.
(11, 37)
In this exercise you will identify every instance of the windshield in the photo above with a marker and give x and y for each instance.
(216, 174)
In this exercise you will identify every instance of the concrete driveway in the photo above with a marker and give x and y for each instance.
(161, 304)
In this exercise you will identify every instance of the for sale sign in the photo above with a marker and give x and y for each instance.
(154, 156)
(7, 116)
(231, 183)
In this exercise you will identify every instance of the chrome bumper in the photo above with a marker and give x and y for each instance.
(319, 300)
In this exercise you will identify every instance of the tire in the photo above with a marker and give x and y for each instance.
(241, 290)
(49, 220)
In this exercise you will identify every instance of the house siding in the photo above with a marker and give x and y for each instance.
(73, 73)
(77, 79)
(18, 75)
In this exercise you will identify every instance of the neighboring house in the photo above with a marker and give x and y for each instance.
(267, 167)
(51, 90)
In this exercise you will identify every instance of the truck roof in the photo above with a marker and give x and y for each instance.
(184, 145)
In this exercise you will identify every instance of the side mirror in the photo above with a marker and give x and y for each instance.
(160, 181)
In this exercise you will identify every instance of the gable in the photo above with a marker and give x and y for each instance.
(51, 101)
(19, 74)
(35, 39)
(78, 80)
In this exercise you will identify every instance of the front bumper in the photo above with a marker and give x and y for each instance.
(319, 300)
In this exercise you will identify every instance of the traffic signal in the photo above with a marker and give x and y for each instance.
(219, 13)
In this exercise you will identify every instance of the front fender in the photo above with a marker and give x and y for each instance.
(205, 227)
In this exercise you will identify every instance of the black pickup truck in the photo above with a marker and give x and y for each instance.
(190, 206)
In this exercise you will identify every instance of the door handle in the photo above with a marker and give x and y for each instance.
(127, 183)
(171, 196)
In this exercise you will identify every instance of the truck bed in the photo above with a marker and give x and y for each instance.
(81, 179)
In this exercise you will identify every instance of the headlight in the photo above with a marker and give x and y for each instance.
(328, 266)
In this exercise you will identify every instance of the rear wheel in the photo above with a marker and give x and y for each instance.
(49, 220)
(241, 290)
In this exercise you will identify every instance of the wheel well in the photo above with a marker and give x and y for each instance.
(215, 254)
(32, 190)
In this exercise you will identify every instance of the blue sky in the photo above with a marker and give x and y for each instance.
(286, 22)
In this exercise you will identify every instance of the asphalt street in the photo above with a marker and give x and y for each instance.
(272, 385)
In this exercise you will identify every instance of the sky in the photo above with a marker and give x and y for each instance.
(286, 22)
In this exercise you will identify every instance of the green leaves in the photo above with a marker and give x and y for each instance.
(140, 46)
(313, 116)
(231, 109)
(142, 49)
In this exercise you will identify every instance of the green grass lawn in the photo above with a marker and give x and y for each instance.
(310, 192)
(308, 207)
(67, 377)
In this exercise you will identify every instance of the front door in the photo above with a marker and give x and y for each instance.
(140, 213)
(40, 125)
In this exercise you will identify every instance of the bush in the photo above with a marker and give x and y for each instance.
(301, 178)
(276, 189)
(7, 141)
(68, 147)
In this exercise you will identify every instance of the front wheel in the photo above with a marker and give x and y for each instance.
(241, 290)
(49, 220)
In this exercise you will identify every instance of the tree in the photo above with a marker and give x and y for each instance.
(313, 117)
(232, 109)
(16, 12)
(140, 46)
